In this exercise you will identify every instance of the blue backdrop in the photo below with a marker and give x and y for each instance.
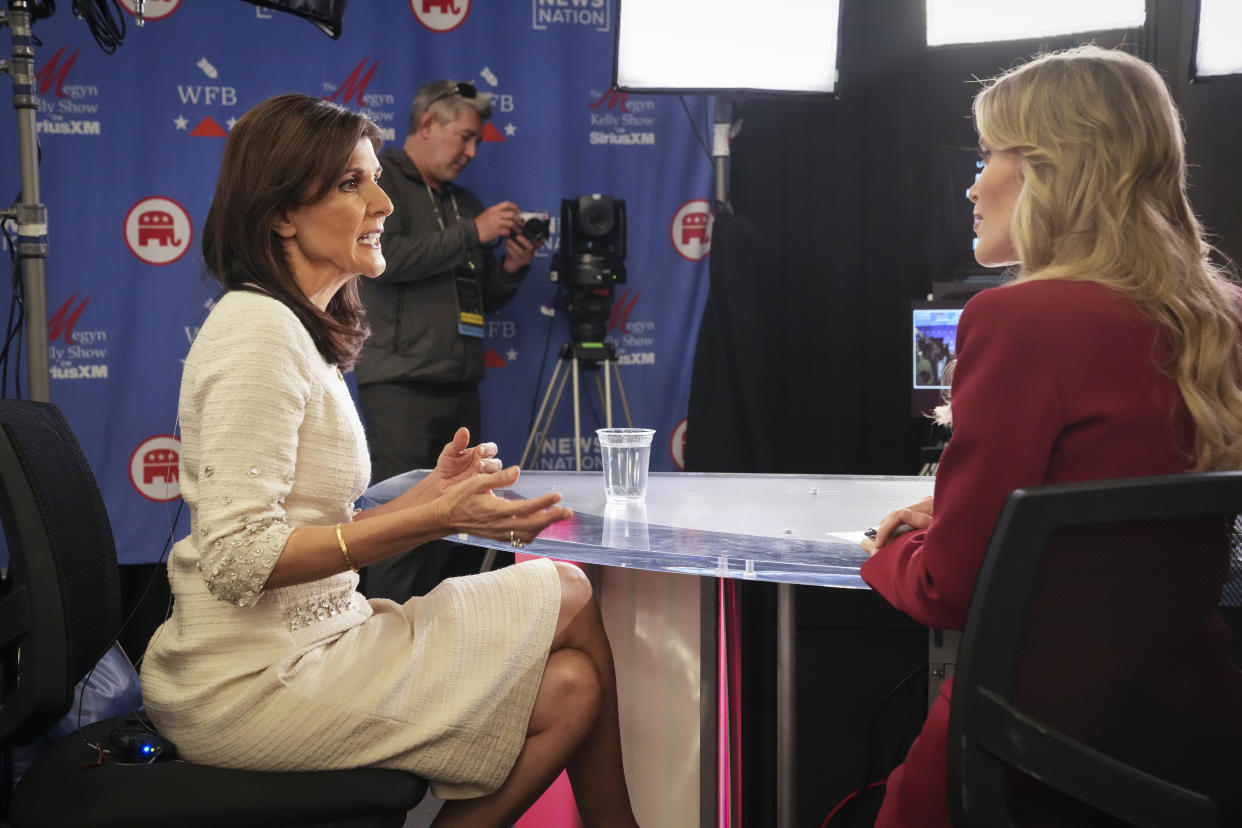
(130, 147)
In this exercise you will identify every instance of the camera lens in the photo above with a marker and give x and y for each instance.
(534, 229)
(535, 226)
(597, 219)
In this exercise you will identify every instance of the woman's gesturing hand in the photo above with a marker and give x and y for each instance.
(470, 506)
(459, 461)
(918, 516)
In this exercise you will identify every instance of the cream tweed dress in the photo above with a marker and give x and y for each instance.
(315, 676)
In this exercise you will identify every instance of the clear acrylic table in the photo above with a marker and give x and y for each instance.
(670, 634)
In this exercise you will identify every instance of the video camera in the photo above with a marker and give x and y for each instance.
(591, 260)
(592, 240)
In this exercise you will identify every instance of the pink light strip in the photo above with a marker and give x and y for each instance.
(724, 785)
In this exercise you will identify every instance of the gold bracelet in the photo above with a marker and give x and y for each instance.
(340, 539)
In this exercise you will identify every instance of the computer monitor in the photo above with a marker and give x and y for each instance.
(933, 346)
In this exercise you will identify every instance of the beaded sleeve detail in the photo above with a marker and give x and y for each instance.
(237, 565)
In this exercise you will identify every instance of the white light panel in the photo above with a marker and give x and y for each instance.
(1219, 48)
(969, 21)
(776, 45)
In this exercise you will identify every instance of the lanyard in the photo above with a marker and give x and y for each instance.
(466, 284)
(435, 205)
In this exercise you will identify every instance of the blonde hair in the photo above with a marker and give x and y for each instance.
(1103, 199)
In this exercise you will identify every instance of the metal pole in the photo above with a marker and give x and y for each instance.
(720, 146)
(577, 421)
(607, 397)
(31, 214)
(786, 705)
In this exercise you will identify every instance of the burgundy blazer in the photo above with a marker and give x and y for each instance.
(1056, 382)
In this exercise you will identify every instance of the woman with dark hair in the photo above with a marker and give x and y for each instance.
(488, 686)
(1116, 351)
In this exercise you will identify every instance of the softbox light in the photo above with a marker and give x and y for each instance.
(726, 46)
(1218, 39)
(325, 14)
(965, 21)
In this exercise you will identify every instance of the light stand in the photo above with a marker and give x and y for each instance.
(726, 122)
(31, 215)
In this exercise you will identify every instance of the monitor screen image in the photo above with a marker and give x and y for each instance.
(934, 344)
(935, 339)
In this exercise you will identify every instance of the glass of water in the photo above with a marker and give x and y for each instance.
(625, 453)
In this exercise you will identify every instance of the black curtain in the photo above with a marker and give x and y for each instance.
(733, 368)
(804, 364)
(804, 359)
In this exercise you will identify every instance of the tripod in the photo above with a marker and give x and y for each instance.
(575, 353)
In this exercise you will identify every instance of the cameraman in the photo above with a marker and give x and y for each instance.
(418, 376)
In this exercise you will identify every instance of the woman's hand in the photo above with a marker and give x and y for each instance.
(457, 462)
(470, 506)
(918, 516)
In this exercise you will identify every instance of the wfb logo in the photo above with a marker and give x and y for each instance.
(440, 15)
(158, 230)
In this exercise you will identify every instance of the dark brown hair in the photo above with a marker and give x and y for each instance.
(285, 153)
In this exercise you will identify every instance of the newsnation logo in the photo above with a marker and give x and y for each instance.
(593, 14)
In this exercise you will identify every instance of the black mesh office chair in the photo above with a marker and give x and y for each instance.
(1090, 600)
(59, 611)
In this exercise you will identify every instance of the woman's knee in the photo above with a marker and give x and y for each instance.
(576, 589)
(571, 693)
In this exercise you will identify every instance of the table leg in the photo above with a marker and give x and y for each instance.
(663, 637)
(786, 705)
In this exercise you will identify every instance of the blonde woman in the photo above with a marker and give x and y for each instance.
(1114, 352)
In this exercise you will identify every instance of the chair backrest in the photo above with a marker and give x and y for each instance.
(1091, 621)
(60, 599)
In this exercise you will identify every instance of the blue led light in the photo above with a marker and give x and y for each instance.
(146, 748)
